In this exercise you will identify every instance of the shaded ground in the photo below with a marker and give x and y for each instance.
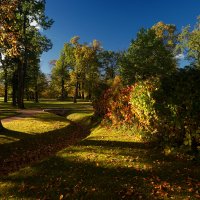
(19, 114)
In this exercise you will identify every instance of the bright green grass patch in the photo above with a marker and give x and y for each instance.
(83, 118)
(37, 124)
(41, 123)
(105, 165)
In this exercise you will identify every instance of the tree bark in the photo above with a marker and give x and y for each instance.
(5, 86)
(62, 89)
(76, 92)
(14, 88)
(20, 95)
(83, 94)
(22, 68)
(1, 126)
(36, 94)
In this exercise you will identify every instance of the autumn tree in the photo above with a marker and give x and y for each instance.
(85, 65)
(167, 33)
(20, 19)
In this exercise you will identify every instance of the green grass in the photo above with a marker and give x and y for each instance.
(107, 164)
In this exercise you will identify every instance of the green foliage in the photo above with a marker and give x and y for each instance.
(147, 56)
(142, 103)
(109, 61)
(188, 43)
(60, 73)
(178, 107)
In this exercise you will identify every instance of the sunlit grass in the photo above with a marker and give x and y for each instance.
(37, 124)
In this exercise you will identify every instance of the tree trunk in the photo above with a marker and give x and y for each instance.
(14, 89)
(20, 95)
(5, 85)
(36, 94)
(27, 95)
(1, 126)
(22, 68)
(89, 94)
(62, 89)
(76, 92)
(82, 95)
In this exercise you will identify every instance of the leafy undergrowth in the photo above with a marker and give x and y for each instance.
(105, 165)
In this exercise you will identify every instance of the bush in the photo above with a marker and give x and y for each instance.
(178, 108)
(113, 105)
(143, 104)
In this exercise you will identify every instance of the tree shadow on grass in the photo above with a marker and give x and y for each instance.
(75, 180)
(78, 179)
(110, 144)
(31, 148)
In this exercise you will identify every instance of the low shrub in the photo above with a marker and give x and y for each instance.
(113, 105)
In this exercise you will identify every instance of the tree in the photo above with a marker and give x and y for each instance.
(19, 26)
(147, 56)
(167, 33)
(85, 65)
(109, 61)
(188, 43)
(60, 70)
(9, 34)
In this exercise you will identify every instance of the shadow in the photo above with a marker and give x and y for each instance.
(32, 148)
(118, 144)
(177, 106)
(74, 178)
(77, 180)
(64, 112)
(14, 134)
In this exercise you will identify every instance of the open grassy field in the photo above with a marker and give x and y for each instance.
(84, 160)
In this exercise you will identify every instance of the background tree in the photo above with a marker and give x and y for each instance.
(85, 63)
(19, 27)
(167, 33)
(147, 56)
(60, 70)
(109, 61)
(189, 44)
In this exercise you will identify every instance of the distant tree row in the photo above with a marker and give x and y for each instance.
(80, 68)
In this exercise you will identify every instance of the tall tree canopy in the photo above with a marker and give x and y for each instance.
(20, 37)
(147, 56)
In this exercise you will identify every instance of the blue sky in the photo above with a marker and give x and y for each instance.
(113, 22)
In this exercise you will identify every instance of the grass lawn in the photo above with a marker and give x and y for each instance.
(107, 164)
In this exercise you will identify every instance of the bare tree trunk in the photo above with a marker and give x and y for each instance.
(1, 126)
(62, 89)
(22, 67)
(6, 86)
(36, 94)
(14, 88)
(20, 95)
(82, 95)
(76, 92)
